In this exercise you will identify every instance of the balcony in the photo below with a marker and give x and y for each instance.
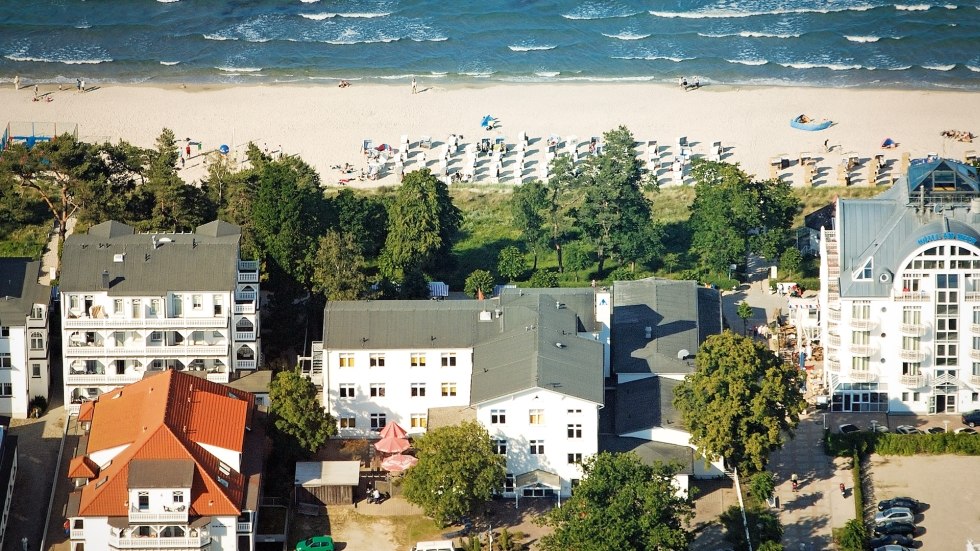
(863, 323)
(156, 351)
(102, 378)
(248, 265)
(834, 315)
(912, 329)
(245, 308)
(218, 377)
(36, 322)
(862, 349)
(73, 408)
(248, 277)
(833, 365)
(913, 381)
(912, 355)
(975, 354)
(975, 380)
(833, 340)
(245, 364)
(244, 296)
(245, 336)
(158, 516)
(863, 376)
(159, 543)
(244, 527)
(912, 296)
(77, 533)
(972, 296)
(142, 323)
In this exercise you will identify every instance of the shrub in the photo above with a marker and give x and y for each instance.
(809, 283)
(852, 537)
(858, 490)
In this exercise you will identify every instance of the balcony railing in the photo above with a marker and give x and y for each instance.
(158, 516)
(913, 329)
(159, 543)
(911, 296)
(833, 365)
(833, 340)
(245, 527)
(834, 315)
(244, 364)
(73, 409)
(245, 308)
(912, 355)
(975, 380)
(244, 335)
(140, 323)
(913, 381)
(972, 296)
(36, 322)
(77, 533)
(248, 265)
(102, 378)
(176, 350)
(861, 349)
(248, 277)
(975, 354)
(863, 323)
(975, 328)
(218, 377)
(863, 376)
(244, 295)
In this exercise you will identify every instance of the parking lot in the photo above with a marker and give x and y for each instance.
(947, 484)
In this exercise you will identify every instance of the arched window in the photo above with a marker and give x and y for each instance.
(37, 340)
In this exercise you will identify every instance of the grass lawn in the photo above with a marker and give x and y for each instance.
(28, 241)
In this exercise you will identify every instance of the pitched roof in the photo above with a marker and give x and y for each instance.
(168, 417)
(151, 263)
(82, 467)
(19, 289)
(650, 452)
(646, 403)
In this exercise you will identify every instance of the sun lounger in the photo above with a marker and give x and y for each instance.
(404, 141)
(425, 142)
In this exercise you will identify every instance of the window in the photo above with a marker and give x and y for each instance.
(117, 306)
(418, 359)
(975, 396)
(905, 396)
(6, 390)
(448, 359)
(537, 447)
(574, 411)
(861, 310)
(498, 416)
(5, 360)
(219, 304)
(418, 390)
(137, 308)
(574, 458)
(178, 303)
(346, 390)
(73, 302)
(911, 368)
(37, 312)
(536, 416)
(419, 420)
(156, 336)
(37, 341)
(915, 396)
(509, 483)
(865, 273)
(4, 332)
(197, 302)
(378, 421)
(144, 501)
(860, 337)
(154, 306)
(448, 389)
(346, 359)
(377, 360)
(178, 497)
(36, 370)
(860, 363)
(575, 431)
(347, 422)
(500, 446)
(377, 390)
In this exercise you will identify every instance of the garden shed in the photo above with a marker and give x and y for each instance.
(326, 482)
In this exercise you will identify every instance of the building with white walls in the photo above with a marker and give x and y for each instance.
(900, 295)
(170, 462)
(136, 303)
(24, 371)
(8, 476)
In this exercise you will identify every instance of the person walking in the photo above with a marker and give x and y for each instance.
(16, 82)
(415, 86)
(78, 84)
(35, 91)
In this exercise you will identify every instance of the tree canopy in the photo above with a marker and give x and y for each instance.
(741, 401)
(511, 263)
(621, 504)
(296, 410)
(338, 268)
(480, 282)
(457, 471)
(528, 205)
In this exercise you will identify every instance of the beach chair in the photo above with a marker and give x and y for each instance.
(653, 153)
(774, 166)
(367, 146)
(969, 157)
(808, 171)
(681, 142)
(404, 143)
(906, 161)
(425, 142)
(843, 179)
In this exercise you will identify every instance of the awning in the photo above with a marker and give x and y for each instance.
(538, 478)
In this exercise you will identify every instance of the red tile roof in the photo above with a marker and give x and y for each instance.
(171, 415)
(85, 411)
(82, 467)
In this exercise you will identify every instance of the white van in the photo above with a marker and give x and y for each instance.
(442, 545)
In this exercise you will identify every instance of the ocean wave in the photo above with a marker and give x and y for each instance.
(218, 37)
(547, 74)
(627, 36)
(748, 61)
(477, 74)
(438, 73)
(943, 68)
(309, 1)
(239, 69)
(863, 38)
(753, 34)
(610, 79)
(167, 1)
(973, 68)
(83, 26)
(599, 10)
(322, 16)
(169, 63)
(522, 48)
(912, 7)
(831, 66)
(93, 61)
(653, 58)
(950, 6)
(396, 77)
(724, 14)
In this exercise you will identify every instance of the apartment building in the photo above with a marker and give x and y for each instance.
(900, 295)
(136, 303)
(8, 476)
(24, 371)
(173, 461)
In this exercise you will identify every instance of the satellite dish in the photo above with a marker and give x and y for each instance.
(682, 354)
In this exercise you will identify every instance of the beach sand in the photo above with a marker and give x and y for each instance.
(325, 125)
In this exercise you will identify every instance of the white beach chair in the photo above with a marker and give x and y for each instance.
(571, 144)
(543, 173)
(681, 142)
(404, 143)
(653, 153)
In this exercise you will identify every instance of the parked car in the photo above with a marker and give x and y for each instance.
(907, 429)
(903, 514)
(895, 527)
(878, 428)
(891, 539)
(913, 505)
(848, 428)
(972, 418)
(892, 548)
(316, 543)
(965, 430)
(936, 430)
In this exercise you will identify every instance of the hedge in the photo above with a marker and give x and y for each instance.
(843, 445)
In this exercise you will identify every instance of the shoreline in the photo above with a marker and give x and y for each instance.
(325, 125)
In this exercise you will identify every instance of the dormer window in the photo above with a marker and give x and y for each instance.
(178, 497)
(143, 499)
(865, 273)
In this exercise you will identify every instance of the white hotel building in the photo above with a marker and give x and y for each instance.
(900, 295)
(24, 371)
(135, 303)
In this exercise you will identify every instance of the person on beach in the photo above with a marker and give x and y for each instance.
(826, 145)
(78, 84)
(415, 86)
(35, 91)
(16, 82)
(81, 86)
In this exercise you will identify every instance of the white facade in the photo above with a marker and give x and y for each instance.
(23, 359)
(542, 429)
(160, 531)
(111, 340)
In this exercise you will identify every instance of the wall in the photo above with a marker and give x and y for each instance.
(17, 375)
(230, 457)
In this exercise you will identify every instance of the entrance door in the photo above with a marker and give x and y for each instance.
(940, 404)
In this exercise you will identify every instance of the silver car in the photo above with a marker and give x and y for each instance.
(901, 514)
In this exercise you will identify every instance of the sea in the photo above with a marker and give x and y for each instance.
(828, 43)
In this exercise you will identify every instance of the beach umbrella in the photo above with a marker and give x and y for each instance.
(393, 429)
(486, 121)
(224, 149)
(392, 445)
(398, 463)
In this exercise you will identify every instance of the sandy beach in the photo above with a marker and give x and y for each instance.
(325, 125)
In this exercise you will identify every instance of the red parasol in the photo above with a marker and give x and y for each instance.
(392, 445)
(398, 463)
(392, 429)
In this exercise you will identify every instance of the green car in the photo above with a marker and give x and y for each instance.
(316, 543)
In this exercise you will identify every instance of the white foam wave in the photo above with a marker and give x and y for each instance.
(973, 68)
(239, 69)
(532, 48)
(83, 26)
(167, 1)
(610, 79)
(598, 11)
(627, 36)
(950, 6)
(20, 57)
(831, 66)
(901, 68)
(396, 77)
(752, 34)
(547, 74)
(438, 73)
(365, 15)
(169, 63)
(309, 1)
(724, 14)
(863, 38)
(653, 58)
(912, 7)
(748, 61)
(940, 67)
(477, 74)
(218, 37)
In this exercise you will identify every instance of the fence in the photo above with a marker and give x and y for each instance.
(30, 133)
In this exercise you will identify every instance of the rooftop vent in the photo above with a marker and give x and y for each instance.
(119, 257)
(560, 344)
(105, 279)
(682, 354)
(648, 332)
(559, 305)
(486, 315)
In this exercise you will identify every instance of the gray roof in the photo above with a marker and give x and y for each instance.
(646, 403)
(256, 382)
(672, 310)
(651, 452)
(206, 260)
(889, 227)
(402, 324)
(19, 290)
(161, 473)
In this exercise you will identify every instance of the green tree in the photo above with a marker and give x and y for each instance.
(295, 407)
(511, 263)
(621, 504)
(577, 257)
(744, 311)
(741, 402)
(527, 206)
(790, 261)
(854, 536)
(670, 261)
(422, 224)
(561, 198)
(763, 485)
(479, 281)
(457, 471)
(414, 284)
(763, 524)
(543, 279)
(364, 218)
(181, 207)
(338, 269)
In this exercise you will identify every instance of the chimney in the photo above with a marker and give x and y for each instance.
(105, 279)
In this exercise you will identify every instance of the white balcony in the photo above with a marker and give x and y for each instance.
(248, 265)
(159, 543)
(862, 349)
(144, 323)
(833, 365)
(911, 296)
(244, 295)
(77, 533)
(913, 329)
(248, 277)
(218, 377)
(36, 322)
(102, 378)
(244, 336)
(158, 516)
(834, 315)
(244, 527)
(975, 354)
(863, 323)
(73, 408)
(154, 351)
(912, 355)
(975, 328)
(863, 376)
(833, 340)
(245, 308)
(913, 381)
(245, 364)
(975, 380)
(972, 296)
